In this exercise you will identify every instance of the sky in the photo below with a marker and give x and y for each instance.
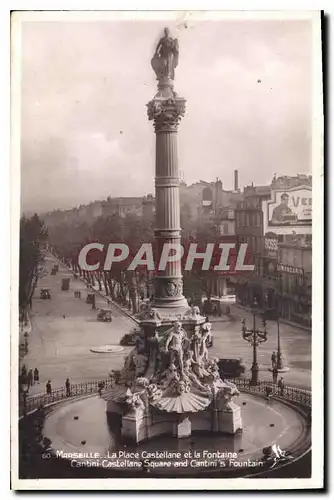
(85, 85)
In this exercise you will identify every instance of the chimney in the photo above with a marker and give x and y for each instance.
(236, 181)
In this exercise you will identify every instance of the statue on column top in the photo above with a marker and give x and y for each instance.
(166, 57)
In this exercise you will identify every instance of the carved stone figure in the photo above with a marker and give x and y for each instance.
(150, 313)
(206, 330)
(166, 57)
(140, 364)
(190, 375)
(170, 376)
(134, 401)
(142, 381)
(181, 387)
(154, 392)
(173, 343)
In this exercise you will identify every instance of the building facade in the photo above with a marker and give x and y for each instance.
(282, 254)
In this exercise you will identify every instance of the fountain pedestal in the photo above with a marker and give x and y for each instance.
(182, 427)
(229, 419)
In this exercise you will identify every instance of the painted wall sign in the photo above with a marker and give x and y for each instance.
(289, 210)
(282, 268)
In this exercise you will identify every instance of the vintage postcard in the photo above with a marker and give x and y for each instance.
(167, 308)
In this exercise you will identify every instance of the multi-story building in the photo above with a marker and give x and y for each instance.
(282, 258)
(122, 206)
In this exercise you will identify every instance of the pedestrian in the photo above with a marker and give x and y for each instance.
(100, 387)
(273, 359)
(64, 316)
(36, 376)
(79, 295)
(48, 387)
(68, 387)
(281, 386)
(30, 379)
(24, 371)
(269, 393)
(275, 375)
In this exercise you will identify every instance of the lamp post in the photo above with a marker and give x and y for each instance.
(280, 364)
(254, 337)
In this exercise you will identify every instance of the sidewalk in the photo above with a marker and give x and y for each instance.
(285, 321)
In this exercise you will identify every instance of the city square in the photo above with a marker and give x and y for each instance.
(167, 334)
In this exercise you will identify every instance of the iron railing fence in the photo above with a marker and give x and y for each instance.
(293, 394)
(61, 393)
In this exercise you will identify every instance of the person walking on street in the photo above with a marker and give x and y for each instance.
(24, 371)
(48, 387)
(273, 360)
(36, 376)
(30, 379)
(281, 386)
(275, 375)
(68, 387)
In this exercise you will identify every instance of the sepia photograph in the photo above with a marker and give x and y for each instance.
(166, 303)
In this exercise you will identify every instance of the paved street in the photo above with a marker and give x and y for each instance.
(60, 347)
(295, 343)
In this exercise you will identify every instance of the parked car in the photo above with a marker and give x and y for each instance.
(45, 293)
(65, 284)
(90, 298)
(104, 315)
(231, 367)
(129, 338)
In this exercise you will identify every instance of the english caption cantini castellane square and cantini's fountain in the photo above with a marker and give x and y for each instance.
(168, 384)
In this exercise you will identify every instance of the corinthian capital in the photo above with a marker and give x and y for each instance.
(166, 113)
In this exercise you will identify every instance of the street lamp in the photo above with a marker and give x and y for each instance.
(280, 364)
(254, 337)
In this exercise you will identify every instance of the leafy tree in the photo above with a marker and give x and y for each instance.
(33, 235)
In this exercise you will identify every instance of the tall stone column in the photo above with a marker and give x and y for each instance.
(166, 111)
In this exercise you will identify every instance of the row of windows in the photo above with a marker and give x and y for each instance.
(248, 218)
(254, 242)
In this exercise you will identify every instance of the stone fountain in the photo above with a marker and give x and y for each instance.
(168, 384)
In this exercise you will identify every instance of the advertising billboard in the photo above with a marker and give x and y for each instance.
(289, 210)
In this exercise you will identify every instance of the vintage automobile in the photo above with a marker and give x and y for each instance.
(231, 367)
(104, 315)
(65, 284)
(90, 298)
(130, 338)
(45, 293)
